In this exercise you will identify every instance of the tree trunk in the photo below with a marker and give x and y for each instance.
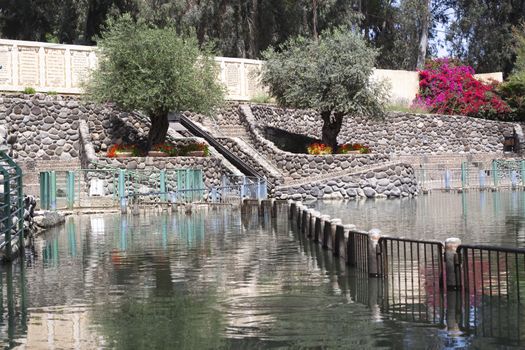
(331, 128)
(159, 129)
(423, 38)
(314, 20)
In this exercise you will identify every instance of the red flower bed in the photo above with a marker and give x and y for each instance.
(446, 87)
(320, 148)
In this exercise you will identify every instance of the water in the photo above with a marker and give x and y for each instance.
(496, 218)
(211, 280)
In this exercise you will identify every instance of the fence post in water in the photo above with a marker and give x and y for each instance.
(482, 176)
(70, 189)
(330, 241)
(495, 173)
(52, 190)
(122, 190)
(522, 172)
(163, 185)
(291, 211)
(44, 190)
(319, 228)
(463, 175)
(373, 239)
(299, 209)
(313, 217)
(453, 277)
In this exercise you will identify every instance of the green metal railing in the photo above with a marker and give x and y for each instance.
(11, 205)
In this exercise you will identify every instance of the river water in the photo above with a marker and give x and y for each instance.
(215, 280)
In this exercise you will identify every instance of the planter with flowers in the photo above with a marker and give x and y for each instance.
(194, 149)
(123, 151)
(347, 148)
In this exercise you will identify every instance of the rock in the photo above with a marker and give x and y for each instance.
(369, 192)
(49, 219)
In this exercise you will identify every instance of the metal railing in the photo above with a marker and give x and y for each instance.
(11, 206)
(111, 187)
(500, 174)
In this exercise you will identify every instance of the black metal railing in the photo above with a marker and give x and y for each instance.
(357, 248)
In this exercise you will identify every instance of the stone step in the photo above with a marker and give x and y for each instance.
(335, 175)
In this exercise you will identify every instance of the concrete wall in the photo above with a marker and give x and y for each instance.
(61, 68)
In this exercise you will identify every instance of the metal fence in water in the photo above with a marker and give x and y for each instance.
(414, 280)
(475, 289)
(11, 206)
(499, 174)
(492, 284)
(108, 187)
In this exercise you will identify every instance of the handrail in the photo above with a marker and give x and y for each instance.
(237, 162)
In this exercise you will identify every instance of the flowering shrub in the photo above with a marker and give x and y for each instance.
(170, 150)
(347, 147)
(115, 150)
(319, 149)
(446, 87)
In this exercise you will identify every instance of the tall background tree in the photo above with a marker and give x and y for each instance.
(155, 71)
(405, 31)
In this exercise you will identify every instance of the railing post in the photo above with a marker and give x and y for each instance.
(453, 277)
(447, 179)
(7, 214)
(495, 173)
(44, 190)
(482, 176)
(513, 179)
(373, 239)
(522, 172)
(52, 190)
(163, 185)
(70, 189)
(122, 190)
(463, 175)
(242, 191)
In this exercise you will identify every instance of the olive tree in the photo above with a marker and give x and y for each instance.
(331, 75)
(155, 71)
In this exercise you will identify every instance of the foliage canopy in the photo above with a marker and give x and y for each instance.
(331, 75)
(155, 71)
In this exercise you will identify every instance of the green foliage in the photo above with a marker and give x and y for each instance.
(331, 75)
(261, 98)
(52, 93)
(153, 70)
(513, 90)
(29, 90)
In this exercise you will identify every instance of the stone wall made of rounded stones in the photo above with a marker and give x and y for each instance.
(46, 127)
(212, 168)
(298, 166)
(227, 116)
(398, 133)
(393, 181)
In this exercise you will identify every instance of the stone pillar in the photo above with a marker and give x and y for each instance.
(319, 226)
(452, 270)
(329, 239)
(373, 239)
(305, 219)
(313, 219)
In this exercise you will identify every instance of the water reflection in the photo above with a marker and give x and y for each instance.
(215, 279)
(475, 217)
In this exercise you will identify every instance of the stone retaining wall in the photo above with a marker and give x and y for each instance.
(299, 166)
(398, 133)
(392, 181)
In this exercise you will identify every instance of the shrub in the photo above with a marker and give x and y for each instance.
(446, 87)
(319, 149)
(29, 90)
